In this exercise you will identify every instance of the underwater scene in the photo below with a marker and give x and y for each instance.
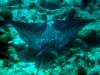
(49, 37)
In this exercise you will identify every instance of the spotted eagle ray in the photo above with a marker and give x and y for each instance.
(48, 38)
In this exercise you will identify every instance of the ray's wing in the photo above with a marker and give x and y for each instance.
(30, 32)
(69, 29)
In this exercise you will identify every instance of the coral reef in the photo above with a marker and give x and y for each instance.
(50, 37)
(6, 14)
